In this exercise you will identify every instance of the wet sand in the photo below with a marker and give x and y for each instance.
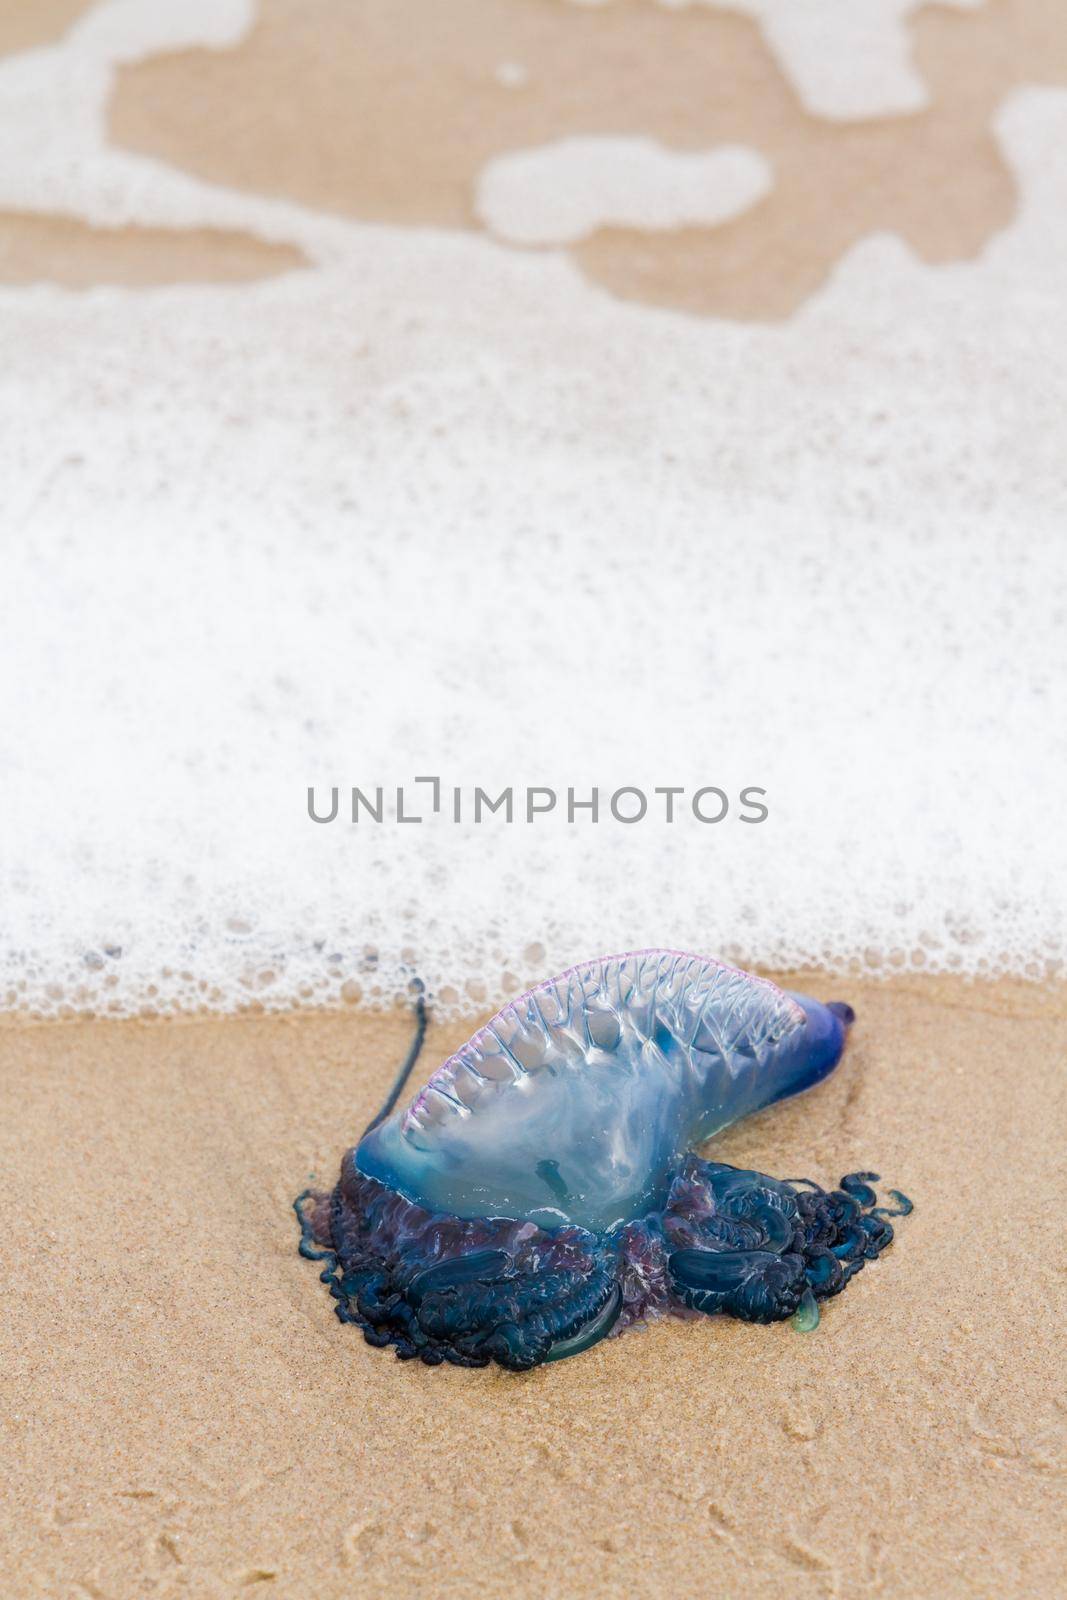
(183, 1414)
(47, 249)
(24, 27)
(389, 110)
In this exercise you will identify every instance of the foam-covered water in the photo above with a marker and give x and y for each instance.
(432, 507)
(565, 191)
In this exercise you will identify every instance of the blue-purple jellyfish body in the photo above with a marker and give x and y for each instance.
(541, 1191)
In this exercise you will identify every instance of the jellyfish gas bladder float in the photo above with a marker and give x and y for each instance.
(541, 1192)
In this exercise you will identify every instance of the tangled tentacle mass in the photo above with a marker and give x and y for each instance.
(469, 1292)
(448, 1289)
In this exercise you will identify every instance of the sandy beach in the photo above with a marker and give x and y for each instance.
(189, 1418)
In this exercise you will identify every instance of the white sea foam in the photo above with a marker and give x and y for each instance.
(436, 507)
(564, 191)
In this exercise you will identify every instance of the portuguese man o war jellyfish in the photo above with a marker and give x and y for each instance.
(542, 1192)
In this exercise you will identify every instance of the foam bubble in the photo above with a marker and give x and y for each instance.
(564, 191)
(438, 508)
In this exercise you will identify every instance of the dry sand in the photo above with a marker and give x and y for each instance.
(183, 1414)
